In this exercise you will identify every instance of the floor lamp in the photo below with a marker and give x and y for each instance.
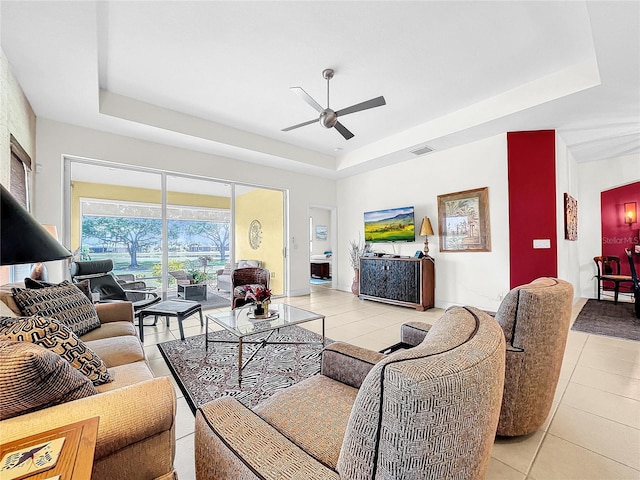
(22, 238)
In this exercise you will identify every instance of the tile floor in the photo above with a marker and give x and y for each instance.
(593, 430)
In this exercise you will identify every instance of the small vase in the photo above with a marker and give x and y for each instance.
(355, 286)
(259, 310)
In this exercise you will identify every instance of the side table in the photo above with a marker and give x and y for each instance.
(193, 291)
(76, 457)
(180, 309)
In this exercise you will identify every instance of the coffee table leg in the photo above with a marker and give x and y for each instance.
(239, 360)
(206, 334)
(323, 344)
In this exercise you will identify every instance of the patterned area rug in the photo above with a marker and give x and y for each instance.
(606, 318)
(204, 376)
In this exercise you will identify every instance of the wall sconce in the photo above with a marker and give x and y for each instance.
(630, 213)
(425, 230)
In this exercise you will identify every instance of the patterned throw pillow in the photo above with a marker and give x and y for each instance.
(33, 378)
(64, 302)
(83, 286)
(58, 338)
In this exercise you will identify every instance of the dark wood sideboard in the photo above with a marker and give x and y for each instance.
(399, 281)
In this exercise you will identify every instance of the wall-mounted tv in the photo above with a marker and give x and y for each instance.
(391, 225)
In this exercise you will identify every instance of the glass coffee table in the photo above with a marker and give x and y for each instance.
(240, 323)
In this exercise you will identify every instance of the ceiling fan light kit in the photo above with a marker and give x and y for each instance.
(328, 117)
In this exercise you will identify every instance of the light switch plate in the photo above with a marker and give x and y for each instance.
(541, 243)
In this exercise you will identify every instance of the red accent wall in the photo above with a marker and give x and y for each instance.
(531, 158)
(617, 235)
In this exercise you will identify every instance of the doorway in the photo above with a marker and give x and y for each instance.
(322, 238)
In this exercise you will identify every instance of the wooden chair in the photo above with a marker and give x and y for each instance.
(609, 271)
(636, 283)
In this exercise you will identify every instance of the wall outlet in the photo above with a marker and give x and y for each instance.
(273, 274)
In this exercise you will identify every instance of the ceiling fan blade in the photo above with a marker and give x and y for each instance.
(374, 102)
(307, 98)
(299, 125)
(344, 131)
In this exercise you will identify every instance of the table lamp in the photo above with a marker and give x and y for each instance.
(425, 231)
(22, 238)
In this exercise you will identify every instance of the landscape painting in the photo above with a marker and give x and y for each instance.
(464, 221)
(391, 225)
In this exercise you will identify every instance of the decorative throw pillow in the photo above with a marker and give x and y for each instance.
(58, 338)
(83, 286)
(64, 302)
(33, 378)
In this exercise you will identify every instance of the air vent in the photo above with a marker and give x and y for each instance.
(422, 150)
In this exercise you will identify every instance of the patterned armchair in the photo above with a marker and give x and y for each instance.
(535, 320)
(224, 274)
(425, 412)
(248, 276)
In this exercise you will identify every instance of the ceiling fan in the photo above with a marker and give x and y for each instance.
(328, 117)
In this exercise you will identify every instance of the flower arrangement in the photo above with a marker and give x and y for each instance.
(257, 294)
(355, 252)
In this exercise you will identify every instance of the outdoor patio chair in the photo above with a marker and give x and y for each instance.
(102, 280)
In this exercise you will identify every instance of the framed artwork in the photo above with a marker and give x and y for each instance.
(322, 232)
(463, 224)
(570, 218)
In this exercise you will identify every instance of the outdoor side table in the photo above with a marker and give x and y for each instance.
(180, 309)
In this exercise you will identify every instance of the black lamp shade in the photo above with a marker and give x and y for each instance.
(23, 239)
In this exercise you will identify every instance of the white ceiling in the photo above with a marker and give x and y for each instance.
(214, 76)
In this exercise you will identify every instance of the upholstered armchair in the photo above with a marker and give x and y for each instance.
(425, 412)
(248, 276)
(224, 274)
(535, 320)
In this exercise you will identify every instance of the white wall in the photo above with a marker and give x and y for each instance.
(55, 140)
(480, 278)
(567, 181)
(593, 178)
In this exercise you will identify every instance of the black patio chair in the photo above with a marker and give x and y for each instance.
(103, 281)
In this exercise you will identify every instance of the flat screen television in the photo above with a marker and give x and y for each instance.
(391, 225)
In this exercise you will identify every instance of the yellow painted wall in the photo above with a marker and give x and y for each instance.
(117, 193)
(266, 206)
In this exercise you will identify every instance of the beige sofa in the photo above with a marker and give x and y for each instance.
(136, 434)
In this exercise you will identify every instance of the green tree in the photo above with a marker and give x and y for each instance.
(218, 233)
(134, 233)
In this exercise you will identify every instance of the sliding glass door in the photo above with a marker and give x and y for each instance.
(167, 229)
(198, 231)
